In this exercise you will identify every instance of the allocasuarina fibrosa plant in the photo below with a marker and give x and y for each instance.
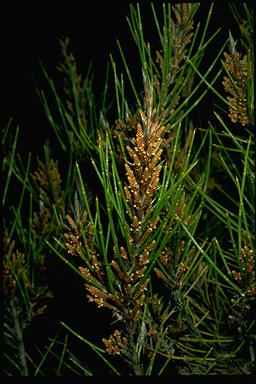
(143, 212)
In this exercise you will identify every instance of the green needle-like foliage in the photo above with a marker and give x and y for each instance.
(154, 212)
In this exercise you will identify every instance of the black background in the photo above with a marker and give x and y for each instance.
(30, 34)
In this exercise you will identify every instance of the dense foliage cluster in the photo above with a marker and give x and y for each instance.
(153, 213)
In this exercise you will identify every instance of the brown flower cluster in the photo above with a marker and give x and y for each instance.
(236, 86)
(142, 172)
(180, 35)
(49, 181)
(129, 295)
(181, 31)
(115, 343)
(74, 87)
(143, 178)
(122, 287)
(73, 239)
(16, 277)
(143, 175)
(173, 269)
(247, 277)
(13, 265)
(243, 304)
(80, 242)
